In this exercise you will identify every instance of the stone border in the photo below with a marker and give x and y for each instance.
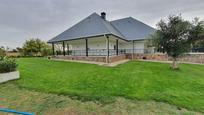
(82, 58)
(4, 77)
(189, 58)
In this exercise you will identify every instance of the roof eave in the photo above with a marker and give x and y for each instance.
(52, 41)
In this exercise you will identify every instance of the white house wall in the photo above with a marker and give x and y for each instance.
(93, 43)
(99, 44)
(139, 46)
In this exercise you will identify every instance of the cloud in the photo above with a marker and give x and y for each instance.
(23, 19)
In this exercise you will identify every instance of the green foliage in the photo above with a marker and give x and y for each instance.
(134, 80)
(197, 34)
(7, 65)
(2, 51)
(199, 44)
(172, 36)
(197, 31)
(46, 50)
(36, 47)
(177, 36)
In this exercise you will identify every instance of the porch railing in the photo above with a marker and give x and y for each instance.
(104, 52)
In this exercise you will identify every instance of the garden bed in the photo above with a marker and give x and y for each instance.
(8, 69)
(4, 77)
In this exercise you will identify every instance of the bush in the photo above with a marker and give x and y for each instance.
(7, 64)
(2, 51)
(35, 47)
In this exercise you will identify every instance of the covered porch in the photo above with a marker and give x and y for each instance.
(99, 48)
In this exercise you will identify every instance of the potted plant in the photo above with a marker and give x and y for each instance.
(8, 69)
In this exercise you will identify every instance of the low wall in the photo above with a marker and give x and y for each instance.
(4, 77)
(93, 58)
(157, 57)
(13, 54)
(192, 58)
(117, 58)
(82, 58)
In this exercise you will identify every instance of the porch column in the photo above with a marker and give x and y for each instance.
(117, 47)
(133, 48)
(87, 53)
(53, 49)
(63, 46)
(107, 45)
(67, 49)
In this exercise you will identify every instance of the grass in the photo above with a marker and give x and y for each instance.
(51, 104)
(134, 80)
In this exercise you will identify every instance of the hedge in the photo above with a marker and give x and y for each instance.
(7, 64)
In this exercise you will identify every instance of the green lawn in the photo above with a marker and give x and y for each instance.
(41, 103)
(133, 80)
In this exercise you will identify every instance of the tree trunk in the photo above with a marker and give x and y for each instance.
(174, 64)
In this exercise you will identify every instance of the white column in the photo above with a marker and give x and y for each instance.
(107, 48)
(133, 48)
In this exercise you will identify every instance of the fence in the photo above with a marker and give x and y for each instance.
(104, 52)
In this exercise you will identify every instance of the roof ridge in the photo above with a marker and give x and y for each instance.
(103, 20)
(117, 29)
(106, 21)
(130, 17)
(141, 22)
(132, 28)
(120, 19)
(73, 25)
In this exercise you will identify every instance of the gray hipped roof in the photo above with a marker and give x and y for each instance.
(94, 25)
(132, 29)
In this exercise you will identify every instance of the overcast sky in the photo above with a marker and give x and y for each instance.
(44, 19)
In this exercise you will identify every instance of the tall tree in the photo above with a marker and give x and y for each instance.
(172, 37)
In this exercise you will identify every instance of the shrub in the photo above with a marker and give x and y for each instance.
(2, 51)
(7, 64)
(36, 47)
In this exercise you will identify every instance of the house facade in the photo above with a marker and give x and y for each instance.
(97, 37)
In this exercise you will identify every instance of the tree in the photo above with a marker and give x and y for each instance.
(197, 33)
(2, 51)
(172, 37)
(36, 47)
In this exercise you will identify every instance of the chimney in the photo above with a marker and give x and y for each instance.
(103, 15)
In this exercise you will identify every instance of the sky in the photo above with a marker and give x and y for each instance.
(21, 20)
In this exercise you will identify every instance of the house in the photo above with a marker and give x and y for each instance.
(97, 39)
